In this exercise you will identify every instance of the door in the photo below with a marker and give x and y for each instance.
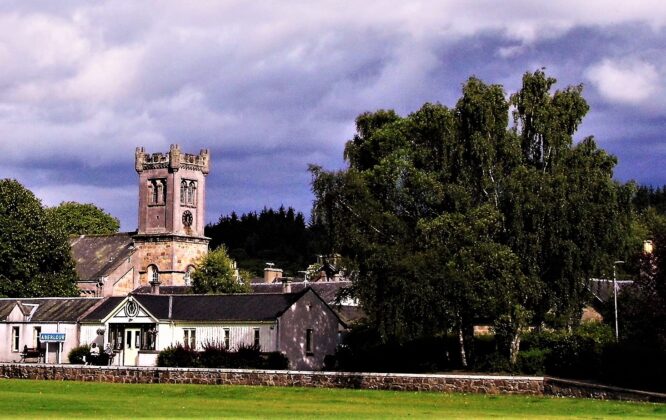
(132, 346)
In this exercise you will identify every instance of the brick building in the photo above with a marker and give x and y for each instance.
(170, 235)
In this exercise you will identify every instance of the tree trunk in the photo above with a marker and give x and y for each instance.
(461, 342)
(514, 347)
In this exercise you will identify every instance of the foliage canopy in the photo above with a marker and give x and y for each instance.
(455, 217)
(216, 273)
(83, 219)
(35, 256)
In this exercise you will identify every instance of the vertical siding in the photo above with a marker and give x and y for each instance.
(238, 335)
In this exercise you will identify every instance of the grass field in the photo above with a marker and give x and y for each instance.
(51, 399)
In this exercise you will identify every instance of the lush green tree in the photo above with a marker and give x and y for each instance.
(35, 257)
(454, 217)
(216, 273)
(83, 219)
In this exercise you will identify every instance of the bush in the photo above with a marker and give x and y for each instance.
(77, 354)
(277, 361)
(247, 356)
(214, 355)
(575, 354)
(634, 366)
(532, 362)
(178, 356)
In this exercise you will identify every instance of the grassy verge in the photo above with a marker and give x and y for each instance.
(51, 399)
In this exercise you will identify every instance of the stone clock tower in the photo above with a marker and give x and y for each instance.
(172, 194)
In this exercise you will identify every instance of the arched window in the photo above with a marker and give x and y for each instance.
(152, 192)
(193, 193)
(183, 192)
(188, 275)
(153, 274)
(160, 192)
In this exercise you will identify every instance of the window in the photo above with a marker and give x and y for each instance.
(153, 274)
(190, 338)
(226, 338)
(36, 343)
(183, 192)
(157, 191)
(148, 337)
(192, 200)
(309, 348)
(15, 338)
(188, 276)
(256, 337)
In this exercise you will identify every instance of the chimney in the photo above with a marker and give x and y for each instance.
(271, 273)
(154, 287)
(286, 285)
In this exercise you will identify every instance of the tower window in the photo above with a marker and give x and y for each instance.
(183, 192)
(153, 274)
(157, 191)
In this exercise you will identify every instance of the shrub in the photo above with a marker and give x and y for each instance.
(77, 354)
(247, 356)
(178, 356)
(575, 354)
(277, 361)
(214, 355)
(532, 362)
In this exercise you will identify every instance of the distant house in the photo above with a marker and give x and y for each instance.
(300, 325)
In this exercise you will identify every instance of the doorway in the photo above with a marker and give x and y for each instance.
(132, 346)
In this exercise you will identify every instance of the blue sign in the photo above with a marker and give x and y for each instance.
(52, 337)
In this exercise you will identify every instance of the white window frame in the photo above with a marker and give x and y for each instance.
(190, 338)
(16, 339)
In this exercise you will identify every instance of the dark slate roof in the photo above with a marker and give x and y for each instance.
(97, 255)
(51, 309)
(328, 291)
(104, 308)
(602, 289)
(239, 307)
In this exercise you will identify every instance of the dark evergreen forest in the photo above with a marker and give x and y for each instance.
(278, 236)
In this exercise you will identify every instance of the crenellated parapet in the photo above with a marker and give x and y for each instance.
(173, 160)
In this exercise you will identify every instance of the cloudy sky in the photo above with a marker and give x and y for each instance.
(271, 86)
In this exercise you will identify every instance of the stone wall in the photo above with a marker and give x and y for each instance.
(387, 381)
(568, 388)
(485, 384)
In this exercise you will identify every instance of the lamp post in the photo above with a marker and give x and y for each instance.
(617, 331)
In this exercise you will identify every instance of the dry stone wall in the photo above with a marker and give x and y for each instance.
(386, 381)
(486, 384)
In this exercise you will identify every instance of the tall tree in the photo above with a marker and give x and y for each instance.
(83, 219)
(216, 273)
(35, 257)
(453, 216)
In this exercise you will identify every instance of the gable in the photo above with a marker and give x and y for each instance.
(129, 310)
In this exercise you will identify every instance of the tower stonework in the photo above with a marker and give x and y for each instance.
(170, 236)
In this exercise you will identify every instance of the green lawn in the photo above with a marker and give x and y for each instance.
(52, 399)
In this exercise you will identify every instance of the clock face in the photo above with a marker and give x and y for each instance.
(187, 218)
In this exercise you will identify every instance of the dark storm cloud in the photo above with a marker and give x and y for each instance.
(269, 87)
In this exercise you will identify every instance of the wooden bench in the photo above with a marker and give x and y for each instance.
(31, 353)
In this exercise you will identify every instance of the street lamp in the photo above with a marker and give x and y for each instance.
(615, 263)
